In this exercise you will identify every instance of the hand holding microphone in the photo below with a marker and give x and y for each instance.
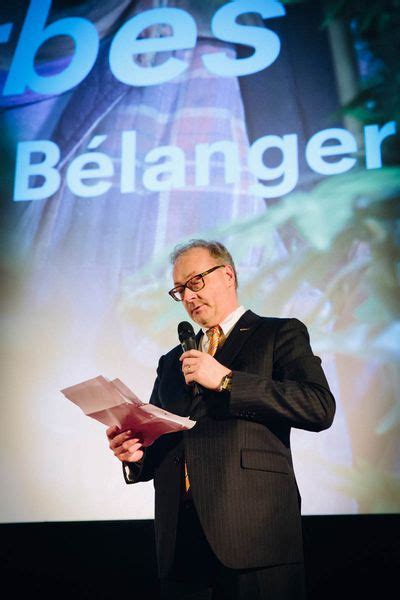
(187, 339)
(199, 368)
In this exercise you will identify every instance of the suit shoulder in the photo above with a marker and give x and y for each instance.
(279, 322)
(173, 353)
(280, 328)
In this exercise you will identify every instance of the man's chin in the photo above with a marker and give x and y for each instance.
(199, 315)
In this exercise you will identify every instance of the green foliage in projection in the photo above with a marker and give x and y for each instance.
(368, 481)
(373, 26)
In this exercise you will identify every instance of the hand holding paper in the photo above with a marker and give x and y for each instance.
(124, 445)
(113, 403)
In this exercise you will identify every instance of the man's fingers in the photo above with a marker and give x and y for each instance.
(119, 439)
(131, 445)
(124, 445)
(190, 354)
(189, 365)
(131, 456)
(112, 431)
(189, 378)
(127, 448)
(130, 451)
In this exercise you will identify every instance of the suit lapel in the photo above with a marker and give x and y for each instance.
(241, 332)
(243, 329)
(198, 337)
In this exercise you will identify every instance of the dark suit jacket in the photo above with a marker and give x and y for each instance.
(238, 454)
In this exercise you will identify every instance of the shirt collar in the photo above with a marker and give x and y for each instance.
(230, 321)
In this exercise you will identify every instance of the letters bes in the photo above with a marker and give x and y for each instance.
(126, 44)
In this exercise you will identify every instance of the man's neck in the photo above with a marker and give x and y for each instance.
(230, 320)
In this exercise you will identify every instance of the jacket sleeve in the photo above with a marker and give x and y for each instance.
(143, 470)
(297, 394)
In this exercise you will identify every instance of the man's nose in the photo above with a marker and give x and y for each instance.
(189, 295)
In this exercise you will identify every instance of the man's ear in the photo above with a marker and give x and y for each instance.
(230, 275)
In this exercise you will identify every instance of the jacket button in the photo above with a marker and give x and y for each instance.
(177, 460)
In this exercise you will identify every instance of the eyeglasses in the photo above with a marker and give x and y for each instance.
(195, 284)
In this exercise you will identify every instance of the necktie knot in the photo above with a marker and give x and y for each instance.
(214, 335)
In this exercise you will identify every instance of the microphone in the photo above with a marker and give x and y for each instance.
(188, 342)
(186, 336)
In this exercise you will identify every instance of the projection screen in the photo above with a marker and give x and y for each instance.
(129, 127)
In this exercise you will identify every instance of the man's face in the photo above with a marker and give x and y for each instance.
(217, 299)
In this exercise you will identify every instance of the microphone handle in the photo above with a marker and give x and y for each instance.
(190, 344)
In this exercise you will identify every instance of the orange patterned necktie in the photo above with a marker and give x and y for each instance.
(214, 335)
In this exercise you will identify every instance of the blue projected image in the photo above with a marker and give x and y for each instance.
(129, 127)
(127, 43)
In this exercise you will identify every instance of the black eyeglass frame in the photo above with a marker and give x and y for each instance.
(180, 289)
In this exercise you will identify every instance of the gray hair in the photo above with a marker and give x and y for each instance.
(216, 250)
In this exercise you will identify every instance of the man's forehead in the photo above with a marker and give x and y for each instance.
(192, 262)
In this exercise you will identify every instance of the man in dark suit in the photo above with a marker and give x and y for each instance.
(227, 507)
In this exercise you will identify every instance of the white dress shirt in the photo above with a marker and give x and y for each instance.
(226, 325)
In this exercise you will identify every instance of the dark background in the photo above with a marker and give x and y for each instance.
(355, 556)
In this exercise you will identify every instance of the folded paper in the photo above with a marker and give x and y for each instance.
(113, 403)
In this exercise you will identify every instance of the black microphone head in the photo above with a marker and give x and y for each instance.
(185, 331)
(187, 339)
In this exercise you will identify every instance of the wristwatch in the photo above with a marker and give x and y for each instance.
(226, 383)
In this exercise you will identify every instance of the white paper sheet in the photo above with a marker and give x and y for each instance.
(113, 403)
